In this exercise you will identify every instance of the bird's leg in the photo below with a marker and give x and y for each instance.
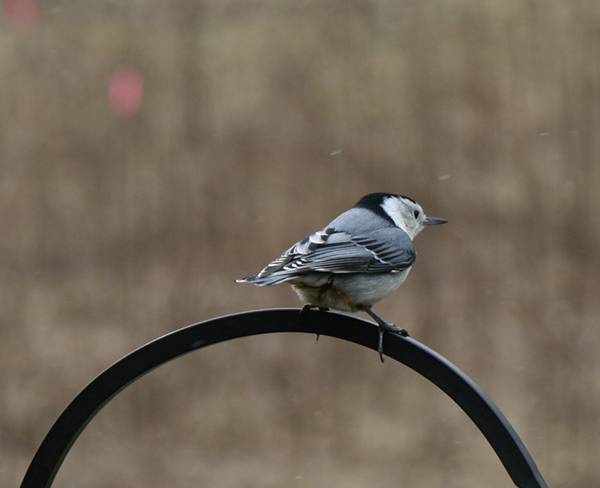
(307, 308)
(383, 328)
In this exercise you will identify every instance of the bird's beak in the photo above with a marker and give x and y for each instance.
(434, 221)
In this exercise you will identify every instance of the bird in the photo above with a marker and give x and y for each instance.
(357, 260)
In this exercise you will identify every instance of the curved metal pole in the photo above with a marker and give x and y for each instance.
(476, 404)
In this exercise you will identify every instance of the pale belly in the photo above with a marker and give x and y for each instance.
(347, 292)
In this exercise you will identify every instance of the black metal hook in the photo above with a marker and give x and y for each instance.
(476, 404)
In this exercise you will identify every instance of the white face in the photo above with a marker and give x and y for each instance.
(406, 214)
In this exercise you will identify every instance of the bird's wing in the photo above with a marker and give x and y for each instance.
(329, 251)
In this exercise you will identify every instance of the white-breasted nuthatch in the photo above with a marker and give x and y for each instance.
(357, 260)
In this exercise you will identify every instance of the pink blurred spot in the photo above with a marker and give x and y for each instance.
(126, 91)
(21, 13)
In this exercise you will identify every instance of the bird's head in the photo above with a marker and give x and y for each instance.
(403, 211)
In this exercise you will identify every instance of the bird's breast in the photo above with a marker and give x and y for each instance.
(347, 292)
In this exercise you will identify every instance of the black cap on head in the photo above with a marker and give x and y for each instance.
(376, 199)
(372, 199)
(373, 202)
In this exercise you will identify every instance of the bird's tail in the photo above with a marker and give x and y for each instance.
(271, 279)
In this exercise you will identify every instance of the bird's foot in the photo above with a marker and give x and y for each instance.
(383, 328)
(307, 308)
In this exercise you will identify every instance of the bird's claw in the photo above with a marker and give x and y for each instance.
(383, 328)
(380, 348)
(387, 327)
(307, 308)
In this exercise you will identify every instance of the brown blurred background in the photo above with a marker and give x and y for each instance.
(259, 122)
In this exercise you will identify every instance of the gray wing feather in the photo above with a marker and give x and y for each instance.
(328, 251)
(383, 251)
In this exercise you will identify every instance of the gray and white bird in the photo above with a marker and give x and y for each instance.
(361, 257)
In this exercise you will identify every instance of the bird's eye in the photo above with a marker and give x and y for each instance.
(416, 214)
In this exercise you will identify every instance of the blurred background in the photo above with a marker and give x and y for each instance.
(151, 152)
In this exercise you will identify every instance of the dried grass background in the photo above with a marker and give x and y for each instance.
(261, 121)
